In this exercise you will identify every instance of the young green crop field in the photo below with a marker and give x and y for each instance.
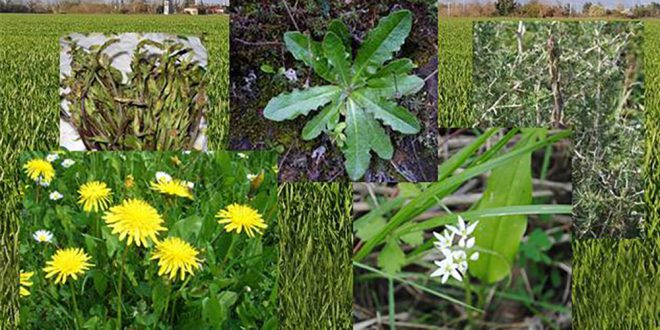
(614, 281)
(29, 100)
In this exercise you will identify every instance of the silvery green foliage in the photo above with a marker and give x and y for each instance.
(581, 75)
(360, 92)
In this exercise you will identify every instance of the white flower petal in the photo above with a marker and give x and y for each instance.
(437, 272)
(474, 256)
(473, 225)
(470, 243)
(445, 277)
(455, 274)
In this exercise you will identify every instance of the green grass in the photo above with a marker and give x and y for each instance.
(316, 277)
(455, 73)
(29, 101)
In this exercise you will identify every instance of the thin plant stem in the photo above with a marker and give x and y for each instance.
(390, 294)
(468, 298)
(121, 277)
(230, 249)
(76, 313)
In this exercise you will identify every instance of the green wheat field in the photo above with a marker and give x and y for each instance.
(614, 281)
(29, 101)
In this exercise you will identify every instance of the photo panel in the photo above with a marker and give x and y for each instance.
(473, 247)
(149, 239)
(343, 90)
(584, 76)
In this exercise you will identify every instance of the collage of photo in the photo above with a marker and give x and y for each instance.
(329, 164)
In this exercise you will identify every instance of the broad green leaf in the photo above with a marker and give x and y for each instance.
(401, 66)
(365, 230)
(212, 311)
(358, 145)
(382, 42)
(414, 238)
(391, 258)
(322, 121)
(395, 86)
(303, 48)
(378, 138)
(509, 184)
(334, 51)
(389, 112)
(341, 30)
(299, 102)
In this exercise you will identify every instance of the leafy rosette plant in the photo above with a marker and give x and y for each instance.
(358, 95)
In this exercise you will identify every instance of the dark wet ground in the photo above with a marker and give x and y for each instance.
(257, 28)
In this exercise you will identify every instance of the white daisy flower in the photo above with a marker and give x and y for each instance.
(43, 236)
(68, 163)
(163, 177)
(52, 157)
(55, 195)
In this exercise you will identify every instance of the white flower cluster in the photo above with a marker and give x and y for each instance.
(455, 263)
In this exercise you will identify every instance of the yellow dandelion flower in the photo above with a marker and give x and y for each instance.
(25, 283)
(94, 196)
(176, 255)
(172, 187)
(241, 217)
(135, 219)
(129, 182)
(67, 262)
(40, 170)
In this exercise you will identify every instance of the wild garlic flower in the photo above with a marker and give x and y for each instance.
(456, 254)
(55, 196)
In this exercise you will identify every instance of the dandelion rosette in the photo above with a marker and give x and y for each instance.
(94, 196)
(69, 262)
(40, 170)
(241, 218)
(176, 256)
(25, 283)
(455, 262)
(135, 220)
(43, 236)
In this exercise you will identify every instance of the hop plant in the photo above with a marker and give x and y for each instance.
(362, 92)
